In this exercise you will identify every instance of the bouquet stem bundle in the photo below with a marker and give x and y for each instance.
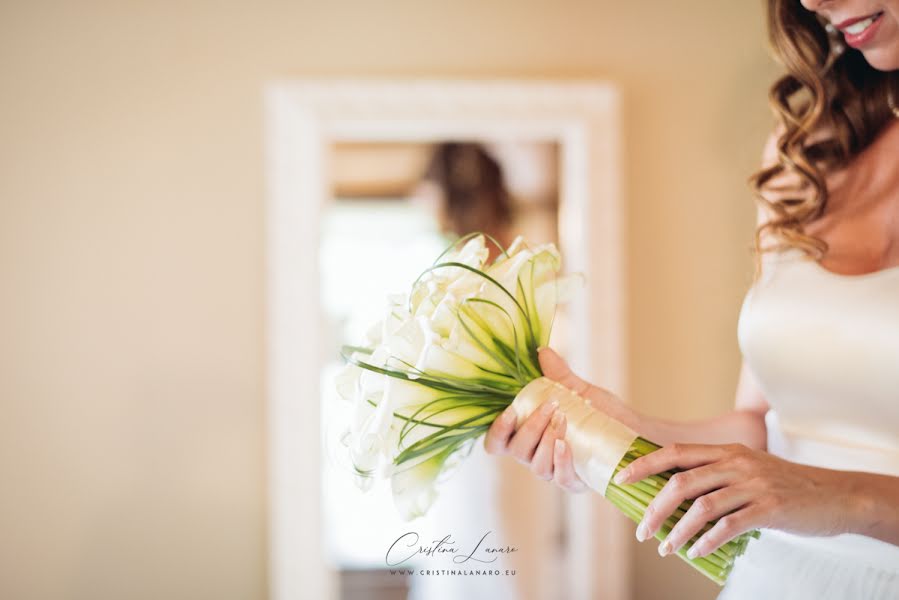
(451, 356)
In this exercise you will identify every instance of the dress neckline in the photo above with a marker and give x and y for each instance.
(800, 256)
(870, 275)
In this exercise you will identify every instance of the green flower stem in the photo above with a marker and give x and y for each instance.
(702, 564)
(722, 552)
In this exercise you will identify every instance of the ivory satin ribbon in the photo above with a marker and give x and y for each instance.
(597, 441)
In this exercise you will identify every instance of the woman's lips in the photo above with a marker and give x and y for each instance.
(861, 30)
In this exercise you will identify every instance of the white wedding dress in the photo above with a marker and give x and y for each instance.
(824, 348)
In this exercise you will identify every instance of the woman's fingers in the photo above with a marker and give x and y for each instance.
(524, 442)
(497, 439)
(555, 368)
(563, 469)
(683, 485)
(553, 459)
(542, 463)
(681, 456)
(705, 509)
(540, 442)
(727, 528)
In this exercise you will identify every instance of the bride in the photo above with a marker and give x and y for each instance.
(810, 452)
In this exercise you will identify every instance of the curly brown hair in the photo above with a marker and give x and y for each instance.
(829, 106)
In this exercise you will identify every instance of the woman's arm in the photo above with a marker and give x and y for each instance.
(744, 425)
(539, 442)
(741, 487)
(874, 499)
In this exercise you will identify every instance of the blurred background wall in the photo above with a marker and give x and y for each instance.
(132, 192)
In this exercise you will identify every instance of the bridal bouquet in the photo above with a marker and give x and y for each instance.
(456, 351)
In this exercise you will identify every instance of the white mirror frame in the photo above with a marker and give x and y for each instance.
(303, 119)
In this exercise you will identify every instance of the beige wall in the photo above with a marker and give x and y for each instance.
(131, 250)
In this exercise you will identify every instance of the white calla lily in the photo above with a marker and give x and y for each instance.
(443, 363)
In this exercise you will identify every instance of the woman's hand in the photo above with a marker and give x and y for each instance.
(744, 489)
(539, 443)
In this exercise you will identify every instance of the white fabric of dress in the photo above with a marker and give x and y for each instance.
(824, 348)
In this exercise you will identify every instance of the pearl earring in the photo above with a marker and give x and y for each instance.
(836, 43)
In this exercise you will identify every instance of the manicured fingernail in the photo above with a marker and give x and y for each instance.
(664, 548)
(693, 552)
(641, 532)
(550, 406)
(554, 422)
(621, 476)
(560, 446)
(509, 415)
(539, 348)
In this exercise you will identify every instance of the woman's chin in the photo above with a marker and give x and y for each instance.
(883, 59)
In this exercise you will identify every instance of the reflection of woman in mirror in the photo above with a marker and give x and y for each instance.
(811, 451)
(464, 185)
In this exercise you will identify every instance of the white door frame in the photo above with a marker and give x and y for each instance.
(303, 119)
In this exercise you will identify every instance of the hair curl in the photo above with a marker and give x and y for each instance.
(828, 92)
